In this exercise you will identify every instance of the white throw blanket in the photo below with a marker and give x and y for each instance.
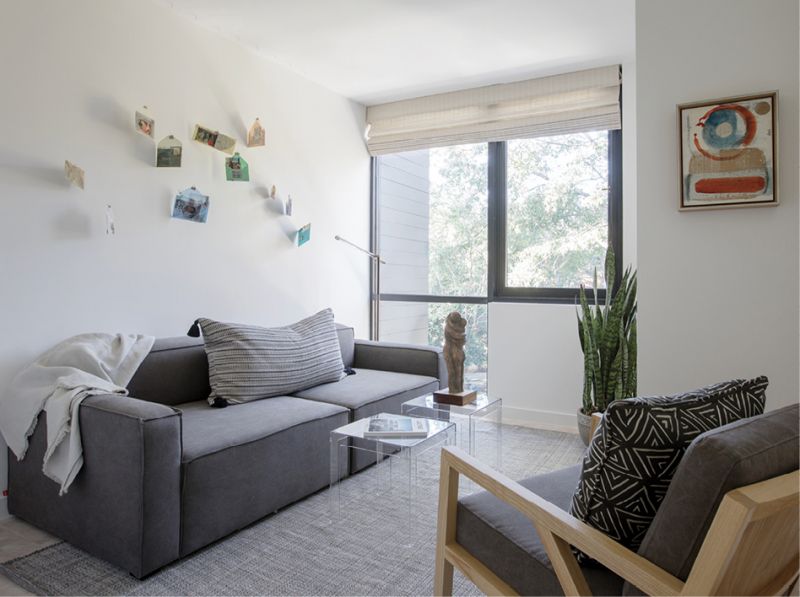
(57, 383)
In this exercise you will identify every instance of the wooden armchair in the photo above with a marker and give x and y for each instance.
(750, 547)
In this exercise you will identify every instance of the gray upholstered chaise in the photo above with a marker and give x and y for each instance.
(165, 474)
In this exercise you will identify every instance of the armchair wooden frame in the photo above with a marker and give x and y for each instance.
(751, 547)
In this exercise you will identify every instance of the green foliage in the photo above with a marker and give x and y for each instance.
(557, 223)
(458, 244)
(608, 340)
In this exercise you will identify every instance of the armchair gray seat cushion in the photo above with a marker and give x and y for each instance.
(506, 541)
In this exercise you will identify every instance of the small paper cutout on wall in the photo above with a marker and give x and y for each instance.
(236, 168)
(214, 139)
(111, 228)
(289, 206)
(169, 153)
(304, 235)
(256, 136)
(74, 174)
(191, 205)
(145, 123)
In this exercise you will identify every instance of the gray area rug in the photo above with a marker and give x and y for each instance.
(367, 542)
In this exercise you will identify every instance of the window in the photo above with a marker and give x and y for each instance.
(508, 192)
(431, 220)
(558, 204)
(460, 226)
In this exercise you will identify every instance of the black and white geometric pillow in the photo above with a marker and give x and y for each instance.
(635, 450)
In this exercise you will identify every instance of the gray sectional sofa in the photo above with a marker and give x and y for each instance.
(164, 474)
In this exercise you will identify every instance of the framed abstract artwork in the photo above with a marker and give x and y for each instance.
(728, 152)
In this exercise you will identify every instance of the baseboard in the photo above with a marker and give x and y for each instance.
(4, 507)
(540, 419)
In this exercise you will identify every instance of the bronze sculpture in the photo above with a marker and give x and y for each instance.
(455, 337)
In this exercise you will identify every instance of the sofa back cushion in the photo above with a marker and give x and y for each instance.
(718, 461)
(248, 362)
(175, 371)
(347, 343)
(636, 449)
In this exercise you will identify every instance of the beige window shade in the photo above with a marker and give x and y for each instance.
(582, 101)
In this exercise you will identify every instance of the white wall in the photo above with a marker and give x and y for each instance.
(718, 290)
(72, 75)
(535, 358)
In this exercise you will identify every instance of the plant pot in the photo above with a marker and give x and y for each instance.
(585, 427)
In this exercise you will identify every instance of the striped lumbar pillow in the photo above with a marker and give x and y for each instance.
(247, 362)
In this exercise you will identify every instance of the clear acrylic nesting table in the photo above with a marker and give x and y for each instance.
(483, 417)
(404, 450)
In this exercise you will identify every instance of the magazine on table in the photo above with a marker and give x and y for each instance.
(398, 427)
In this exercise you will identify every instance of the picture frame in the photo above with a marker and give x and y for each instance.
(728, 152)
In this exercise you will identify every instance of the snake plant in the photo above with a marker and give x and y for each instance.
(608, 340)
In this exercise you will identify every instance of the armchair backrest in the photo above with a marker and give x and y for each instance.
(744, 453)
(752, 545)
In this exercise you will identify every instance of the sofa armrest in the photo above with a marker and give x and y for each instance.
(401, 358)
(124, 504)
(127, 406)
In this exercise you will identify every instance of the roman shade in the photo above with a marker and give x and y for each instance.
(582, 101)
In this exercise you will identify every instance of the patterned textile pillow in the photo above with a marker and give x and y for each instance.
(247, 362)
(635, 450)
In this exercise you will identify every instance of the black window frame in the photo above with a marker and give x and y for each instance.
(498, 290)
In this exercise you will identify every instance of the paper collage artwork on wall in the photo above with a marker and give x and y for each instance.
(236, 168)
(214, 139)
(169, 153)
(145, 123)
(256, 136)
(190, 204)
(304, 235)
(74, 174)
(111, 227)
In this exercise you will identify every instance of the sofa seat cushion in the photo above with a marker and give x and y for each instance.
(506, 541)
(367, 386)
(246, 461)
(207, 430)
(368, 393)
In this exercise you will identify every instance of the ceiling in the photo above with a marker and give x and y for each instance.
(374, 51)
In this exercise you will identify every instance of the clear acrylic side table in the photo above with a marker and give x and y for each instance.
(405, 450)
(469, 418)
